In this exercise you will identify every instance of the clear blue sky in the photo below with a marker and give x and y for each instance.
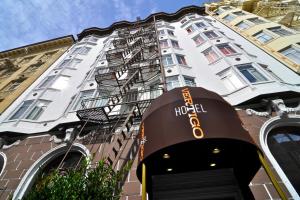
(24, 22)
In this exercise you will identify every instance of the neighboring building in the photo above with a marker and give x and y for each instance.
(282, 12)
(95, 94)
(277, 40)
(20, 67)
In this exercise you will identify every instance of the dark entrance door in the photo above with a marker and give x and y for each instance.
(219, 184)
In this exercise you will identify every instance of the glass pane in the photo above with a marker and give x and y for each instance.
(46, 82)
(60, 83)
(21, 110)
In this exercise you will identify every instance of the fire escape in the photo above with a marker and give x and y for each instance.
(126, 86)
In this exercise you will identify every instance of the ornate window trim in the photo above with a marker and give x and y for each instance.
(4, 162)
(26, 181)
(272, 123)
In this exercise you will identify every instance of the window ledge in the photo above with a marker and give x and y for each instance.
(215, 61)
(186, 66)
(198, 45)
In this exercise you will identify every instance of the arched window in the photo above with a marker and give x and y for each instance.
(280, 141)
(2, 162)
(284, 144)
(48, 162)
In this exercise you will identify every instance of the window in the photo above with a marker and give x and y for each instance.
(83, 95)
(239, 13)
(192, 17)
(231, 80)
(38, 110)
(200, 24)
(243, 25)
(284, 144)
(251, 74)
(181, 60)
(163, 43)
(189, 81)
(171, 33)
(183, 21)
(229, 18)
(172, 82)
(263, 37)
(21, 110)
(226, 8)
(198, 40)
(210, 55)
(211, 34)
(256, 20)
(167, 60)
(60, 83)
(63, 64)
(226, 49)
(81, 50)
(161, 32)
(45, 82)
(190, 29)
(93, 39)
(292, 53)
(280, 31)
(85, 50)
(76, 50)
(12, 86)
(175, 44)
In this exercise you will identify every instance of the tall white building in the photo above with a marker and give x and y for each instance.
(186, 48)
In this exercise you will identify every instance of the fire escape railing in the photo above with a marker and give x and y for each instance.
(131, 80)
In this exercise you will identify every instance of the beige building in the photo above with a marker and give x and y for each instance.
(277, 40)
(20, 67)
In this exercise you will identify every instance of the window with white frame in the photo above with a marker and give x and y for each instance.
(63, 64)
(190, 29)
(183, 21)
(189, 81)
(76, 50)
(46, 82)
(37, 110)
(293, 53)
(163, 43)
(198, 40)
(167, 60)
(210, 34)
(172, 82)
(226, 49)
(231, 80)
(171, 33)
(93, 39)
(280, 31)
(192, 17)
(175, 44)
(181, 60)
(256, 20)
(229, 17)
(21, 110)
(239, 13)
(210, 55)
(263, 37)
(60, 83)
(200, 24)
(161, 32)
(251, 73)
(243, 25)
(85, 50)
(87, 94)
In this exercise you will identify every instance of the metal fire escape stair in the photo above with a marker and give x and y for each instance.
(133, 65)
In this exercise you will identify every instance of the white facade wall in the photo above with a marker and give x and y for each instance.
(79, 76)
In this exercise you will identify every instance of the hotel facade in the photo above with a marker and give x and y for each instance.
(91, 100)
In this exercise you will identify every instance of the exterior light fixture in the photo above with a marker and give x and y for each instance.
(212, 164)
(216, 150)
(169, 169)
(166, 156)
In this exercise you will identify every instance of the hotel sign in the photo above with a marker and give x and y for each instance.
(187, 114)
